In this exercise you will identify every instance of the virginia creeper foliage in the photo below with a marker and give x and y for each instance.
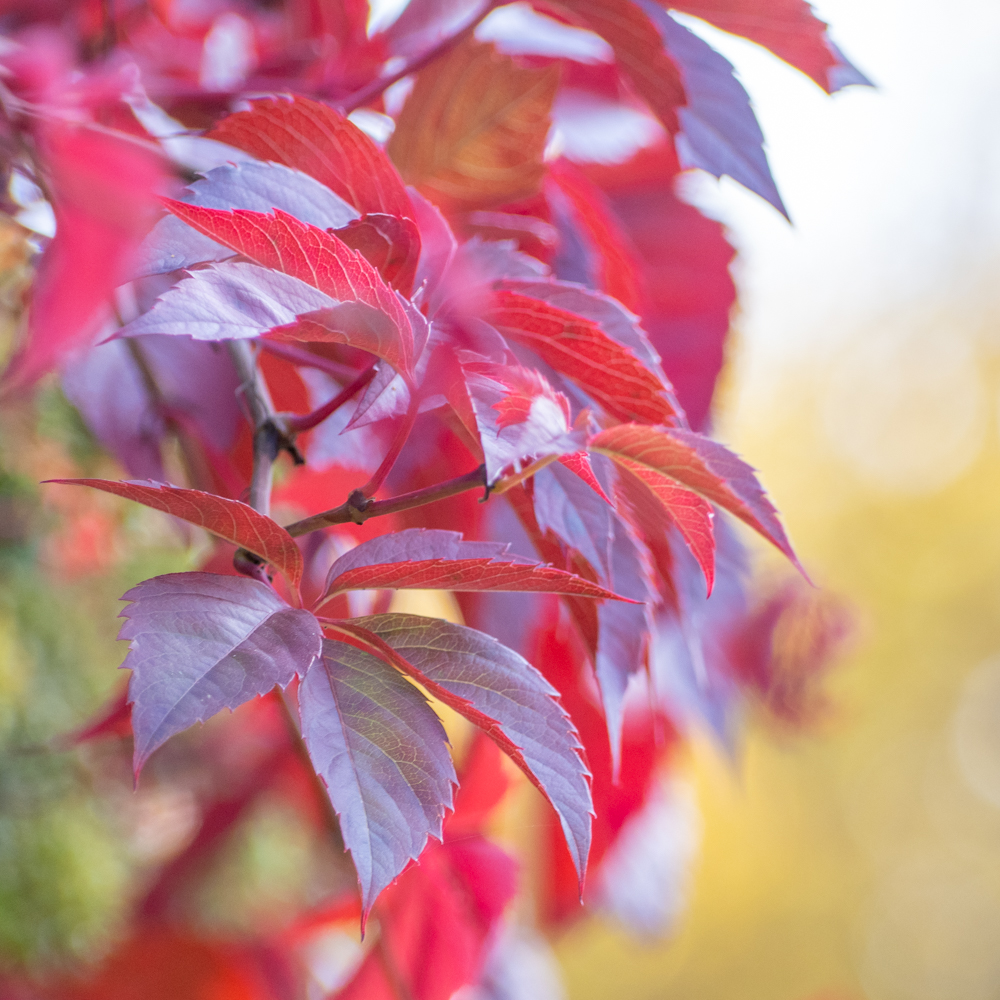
(477, 340)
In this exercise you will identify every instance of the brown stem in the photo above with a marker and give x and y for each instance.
(358, 509)
(270, 436)
(372, 90)
(297, 424)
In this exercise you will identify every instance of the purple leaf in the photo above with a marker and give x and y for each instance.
(623, 630)
(719, 131)
(256, 186)
(201, 643)
(196, 380)
(382, 754)
(229, 301)
(503, 686)
(577, 516)
(844, 73)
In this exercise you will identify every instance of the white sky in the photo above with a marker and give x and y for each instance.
(894, 193)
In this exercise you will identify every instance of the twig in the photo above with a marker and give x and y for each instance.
(372, 90)
(358, 509)
(269, 436)
(300, 356)
(297, 424)
(378, 477)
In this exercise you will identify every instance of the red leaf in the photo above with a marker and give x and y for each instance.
(617, 265)
(321, 142)
(440, 560)
(526, 385)
(229, 519)
(435, 923)
(665, 457)
(579, 463)
(389, 243)
(789, 28)
(688, 290)
(639, 51)
(606, 370)
(319, 259)
(103, 196)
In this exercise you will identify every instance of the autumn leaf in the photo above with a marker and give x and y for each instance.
(319, 141)
(201, 643)
(474, 129)
(229, 519)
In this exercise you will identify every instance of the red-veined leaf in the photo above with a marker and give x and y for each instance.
(382, 754)
(259, 187)
(425, 559)
(201, 643)
(321, 142)
(320, 259)
(390, 244)
(665, 457)
(579, 464)
(606, 370)
(500, 692)
(229, 519)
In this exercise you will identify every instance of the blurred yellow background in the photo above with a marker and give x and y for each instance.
(862, 860)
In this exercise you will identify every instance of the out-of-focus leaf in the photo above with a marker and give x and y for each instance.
(229, 519)
(319, 141)
(606, 260)
(474, 128)
(201, 643)
(103, 197)
(435, 923)
(664, 457)
(789, 28)
(499, 691)
(639, 52)
(719, 130)
(382, 754)
(607, 371)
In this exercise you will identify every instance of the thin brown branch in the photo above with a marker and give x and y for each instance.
(296, 424)
(358, 509)
(300, 356)
(270, 435)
